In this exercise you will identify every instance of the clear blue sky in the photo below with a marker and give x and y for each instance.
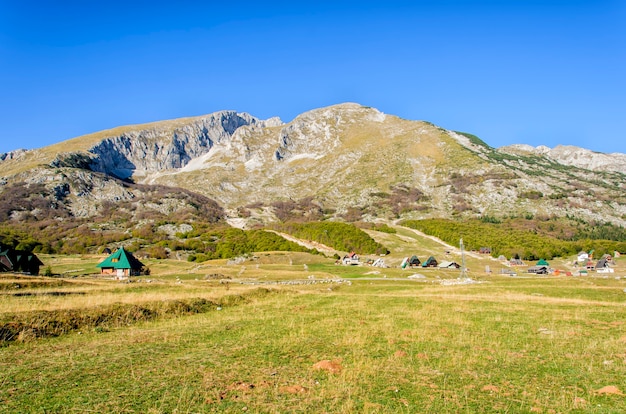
(532, 72)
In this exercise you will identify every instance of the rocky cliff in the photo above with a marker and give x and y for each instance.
(163, 148)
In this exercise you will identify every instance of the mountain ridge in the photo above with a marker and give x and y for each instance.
(346, 159)
(575, 156)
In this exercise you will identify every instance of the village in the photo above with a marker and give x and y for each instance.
(121, 264)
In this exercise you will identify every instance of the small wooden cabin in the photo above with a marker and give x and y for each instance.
(121, 264)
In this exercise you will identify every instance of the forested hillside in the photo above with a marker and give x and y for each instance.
(530, 239)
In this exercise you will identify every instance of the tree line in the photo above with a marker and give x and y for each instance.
(505, 240)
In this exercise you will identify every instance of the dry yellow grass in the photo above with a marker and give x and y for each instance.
(508, 344)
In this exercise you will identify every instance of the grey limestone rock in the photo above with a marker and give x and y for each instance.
(167, 148)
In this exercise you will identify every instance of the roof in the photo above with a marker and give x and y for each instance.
(6, 252)
(121, 259)
(18, 260)
(602, 263)
(30, 258)
(542, 262)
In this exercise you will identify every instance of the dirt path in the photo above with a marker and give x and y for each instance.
(306, 243)
(448, 246)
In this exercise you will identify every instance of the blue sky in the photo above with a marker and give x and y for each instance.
(531, 72)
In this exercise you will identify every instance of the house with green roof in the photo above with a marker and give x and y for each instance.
(121, 264)
(431, 262)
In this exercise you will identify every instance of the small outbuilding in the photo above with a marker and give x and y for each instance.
(121, 263)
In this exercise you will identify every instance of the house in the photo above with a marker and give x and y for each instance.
(121, 263)
(351, 259)
(485, 250)
(379, 263)
(541, 268)
(448, 265)
(603, 265)
(431, 262)
(414, 261)
(516, 261)
(583, 257)
(24, 261)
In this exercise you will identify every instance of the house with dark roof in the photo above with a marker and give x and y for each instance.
(538, 270)
(414, 261)
(121, 264)
(604, 264)
(21, 261)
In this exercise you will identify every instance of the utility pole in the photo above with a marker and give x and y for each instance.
(463, 274)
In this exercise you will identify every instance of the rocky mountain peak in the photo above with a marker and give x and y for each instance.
(166, 146)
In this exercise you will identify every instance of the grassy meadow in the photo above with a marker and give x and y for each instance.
(292, 332)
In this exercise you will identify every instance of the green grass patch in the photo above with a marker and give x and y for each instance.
(379, 346)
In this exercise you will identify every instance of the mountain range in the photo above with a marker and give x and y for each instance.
(346, 162)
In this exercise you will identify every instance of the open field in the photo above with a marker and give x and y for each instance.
(290, 332)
